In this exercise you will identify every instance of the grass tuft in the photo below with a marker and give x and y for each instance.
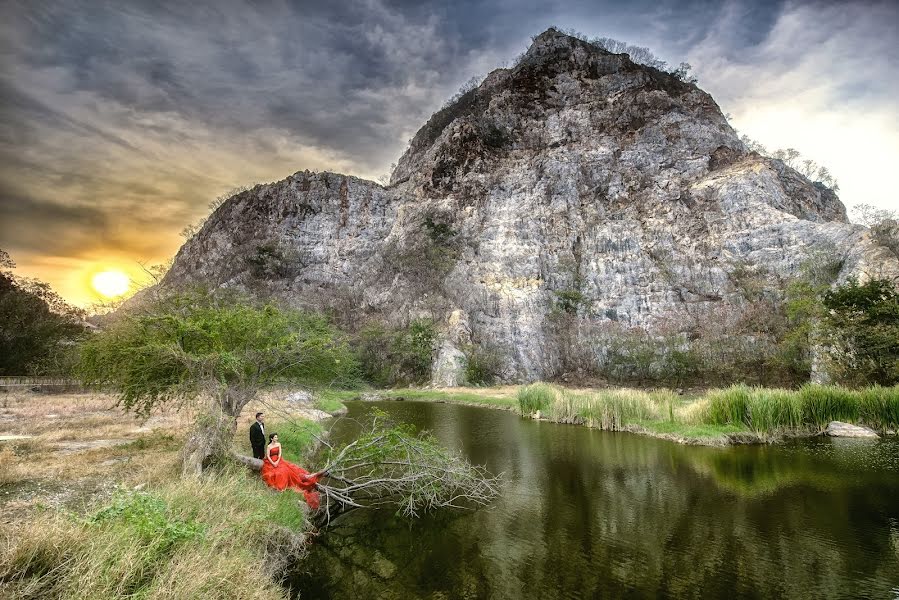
(534, 397)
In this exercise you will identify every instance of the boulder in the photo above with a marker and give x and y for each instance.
(300, 397)
(840, 429)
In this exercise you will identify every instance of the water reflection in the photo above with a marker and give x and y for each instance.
(588, 514)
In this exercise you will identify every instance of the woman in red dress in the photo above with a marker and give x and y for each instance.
(281, 474)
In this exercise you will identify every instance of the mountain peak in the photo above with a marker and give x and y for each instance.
(570, 200)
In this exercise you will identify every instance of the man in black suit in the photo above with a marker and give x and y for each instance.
(257, 436)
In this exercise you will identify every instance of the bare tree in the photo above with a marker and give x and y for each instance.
(871, 216)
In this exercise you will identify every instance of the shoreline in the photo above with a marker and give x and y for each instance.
(505, 398)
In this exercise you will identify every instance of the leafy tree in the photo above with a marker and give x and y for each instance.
(222, 350)
(37, 326)
(397, 355)
(861, 327)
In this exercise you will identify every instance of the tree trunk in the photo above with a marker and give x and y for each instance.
(213, 433)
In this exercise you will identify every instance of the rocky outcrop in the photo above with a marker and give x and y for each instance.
(573, 192)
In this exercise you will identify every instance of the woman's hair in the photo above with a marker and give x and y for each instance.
(271, 436)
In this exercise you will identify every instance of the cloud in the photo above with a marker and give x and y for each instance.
(822, 79)
(120, 121)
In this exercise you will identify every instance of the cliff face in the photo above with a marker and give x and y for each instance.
(576, 184)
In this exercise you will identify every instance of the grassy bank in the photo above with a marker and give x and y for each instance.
(495, 397)
(223, 536)
(93, 507)
(764, 413)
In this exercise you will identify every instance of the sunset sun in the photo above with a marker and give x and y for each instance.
(111, 283)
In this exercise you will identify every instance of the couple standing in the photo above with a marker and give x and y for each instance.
(277, 472)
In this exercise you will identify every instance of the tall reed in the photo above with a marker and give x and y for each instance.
(537, 396)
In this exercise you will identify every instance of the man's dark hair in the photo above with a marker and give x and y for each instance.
(257, 415)
(271, 436)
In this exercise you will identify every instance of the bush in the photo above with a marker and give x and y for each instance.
(483, 365)
(402, 355)
(861, 327)
(274, 260)
(37, 327)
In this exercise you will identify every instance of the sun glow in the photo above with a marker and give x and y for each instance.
(111, 283)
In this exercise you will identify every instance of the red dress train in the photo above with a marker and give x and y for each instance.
(288, 475)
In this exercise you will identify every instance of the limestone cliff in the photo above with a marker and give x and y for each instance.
(576, 183)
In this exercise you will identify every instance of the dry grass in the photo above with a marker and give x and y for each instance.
(81, 446)
(128, 525)
(225, 536)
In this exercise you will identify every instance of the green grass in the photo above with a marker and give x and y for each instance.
(296, 437)
(454, 396)
(699, 431)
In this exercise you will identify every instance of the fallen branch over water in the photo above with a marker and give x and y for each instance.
(391, 465)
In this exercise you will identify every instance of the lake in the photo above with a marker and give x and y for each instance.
(594, 514)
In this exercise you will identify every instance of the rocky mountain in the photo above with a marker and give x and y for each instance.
(573, 196)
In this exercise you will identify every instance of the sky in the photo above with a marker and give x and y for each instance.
(120, 121)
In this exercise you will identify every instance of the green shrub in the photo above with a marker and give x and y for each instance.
(568, 301)
(483, 365)
(402, 355)
(861, 330)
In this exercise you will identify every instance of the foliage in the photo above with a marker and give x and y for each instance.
(185, 344)
(192, 229)
(391, 465)
(871, 216)
(391, 356)
(861, 327)
(483, 365)
(639, 54)
(274, 260)
(568, 300)
(37, 327)
(427, 256)
(438, 232)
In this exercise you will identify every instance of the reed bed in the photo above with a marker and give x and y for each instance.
(766, 412)
(613, 409)
(808, 409)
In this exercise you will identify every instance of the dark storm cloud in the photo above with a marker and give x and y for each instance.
(136, 114)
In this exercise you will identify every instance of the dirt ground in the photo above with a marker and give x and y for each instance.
(70, 449)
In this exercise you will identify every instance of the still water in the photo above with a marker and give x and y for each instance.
(590, 514)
